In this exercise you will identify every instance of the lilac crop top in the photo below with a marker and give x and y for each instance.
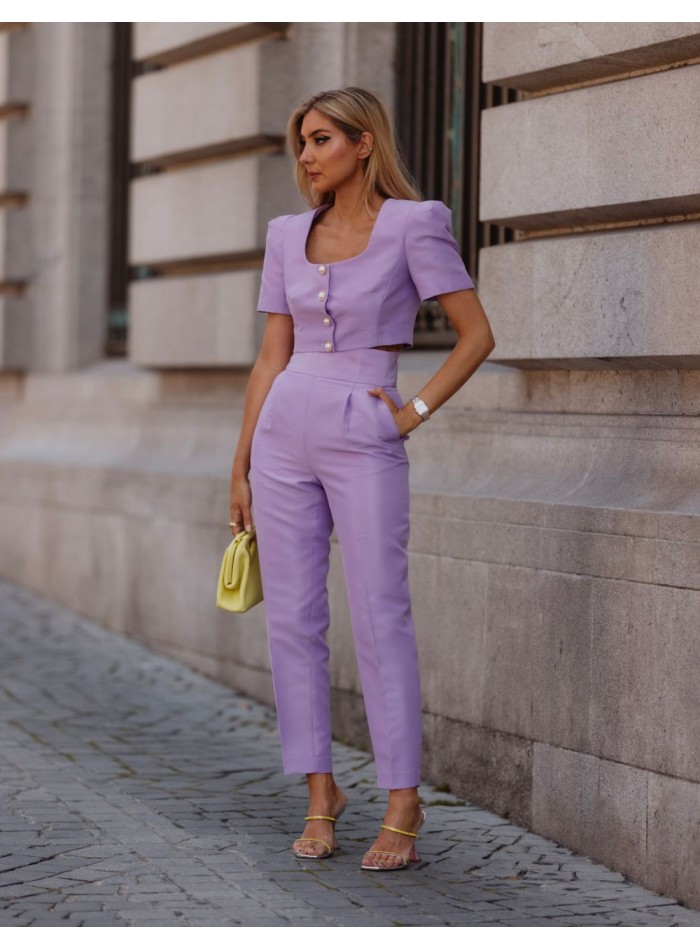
(370, 299)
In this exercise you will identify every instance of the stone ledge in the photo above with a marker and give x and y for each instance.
(539, 56)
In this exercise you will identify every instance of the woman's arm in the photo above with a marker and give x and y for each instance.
(275, 352)
(475, 342)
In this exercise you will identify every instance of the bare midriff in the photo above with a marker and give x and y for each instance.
(390, 346)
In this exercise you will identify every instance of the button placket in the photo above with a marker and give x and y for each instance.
(322, 295)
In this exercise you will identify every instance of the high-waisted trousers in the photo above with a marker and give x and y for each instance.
(326, 453)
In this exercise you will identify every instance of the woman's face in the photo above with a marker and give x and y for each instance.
(329, 159)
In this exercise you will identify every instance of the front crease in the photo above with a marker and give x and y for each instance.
(346, 414)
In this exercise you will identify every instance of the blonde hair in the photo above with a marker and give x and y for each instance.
(354, 111)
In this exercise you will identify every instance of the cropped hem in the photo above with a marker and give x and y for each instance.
(398, 779)
(294, 766)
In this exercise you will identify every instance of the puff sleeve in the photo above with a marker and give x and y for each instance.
(272, 298)
(432, 253)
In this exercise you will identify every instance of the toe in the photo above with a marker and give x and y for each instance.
(307, 847)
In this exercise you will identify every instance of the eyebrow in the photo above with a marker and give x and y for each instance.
(311, 134)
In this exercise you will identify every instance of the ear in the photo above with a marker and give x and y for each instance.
(366, 144)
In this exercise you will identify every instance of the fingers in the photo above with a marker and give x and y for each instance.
(241, 515)
(240, 518)
(378, 391)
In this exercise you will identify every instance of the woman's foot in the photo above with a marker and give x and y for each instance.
(404, 811)
(325, 798)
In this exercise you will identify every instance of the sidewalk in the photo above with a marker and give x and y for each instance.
(136, 792)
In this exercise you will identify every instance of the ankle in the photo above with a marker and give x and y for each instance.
(404, 799)
(323, 791)
(321, 782)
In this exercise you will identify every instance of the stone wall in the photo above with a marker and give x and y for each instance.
(554, 499)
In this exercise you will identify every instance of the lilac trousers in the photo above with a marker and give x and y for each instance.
(325, 452)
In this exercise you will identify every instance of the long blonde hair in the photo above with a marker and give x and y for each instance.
(354, 111)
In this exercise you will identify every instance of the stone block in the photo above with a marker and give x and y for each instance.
(193, 212)
(513, 617)
(451, 613)
(593, 806)
(561, 660)
(604, 152)
(14, 331)
(4, 181)
(645, 655)
(489, 768)
(202, 320)
(195, 104)
(673, 839)
(624, 298)
(4, 65)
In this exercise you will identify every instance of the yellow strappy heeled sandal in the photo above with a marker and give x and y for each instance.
(324, 854)
(412, 858)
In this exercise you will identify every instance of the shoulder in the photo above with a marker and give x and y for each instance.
(426, 211)
(275, 231)
(288, 222)
(424, 216)
(277, 223)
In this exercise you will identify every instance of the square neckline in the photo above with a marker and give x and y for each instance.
(345, 260)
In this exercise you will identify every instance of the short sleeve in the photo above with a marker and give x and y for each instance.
(272, 298)
(434, 261)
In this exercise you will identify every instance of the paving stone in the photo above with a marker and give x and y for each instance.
(136, 792)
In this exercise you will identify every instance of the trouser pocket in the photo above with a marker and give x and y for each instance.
(368, 417)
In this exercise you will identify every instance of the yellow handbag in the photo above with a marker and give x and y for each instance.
(240, 584)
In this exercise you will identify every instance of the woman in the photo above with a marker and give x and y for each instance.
(322, 444)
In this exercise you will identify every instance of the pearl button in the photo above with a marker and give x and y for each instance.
(322, 295)
(327, 321)
(328, 346)
(322, 268)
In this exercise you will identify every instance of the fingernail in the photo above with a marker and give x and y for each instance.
(249, 527)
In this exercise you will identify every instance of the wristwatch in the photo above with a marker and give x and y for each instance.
(421, 408)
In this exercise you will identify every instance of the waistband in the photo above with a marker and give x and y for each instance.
(376, 367)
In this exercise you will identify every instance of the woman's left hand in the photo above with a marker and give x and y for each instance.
(405, 417)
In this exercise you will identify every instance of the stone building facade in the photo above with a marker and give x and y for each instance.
(555, 500)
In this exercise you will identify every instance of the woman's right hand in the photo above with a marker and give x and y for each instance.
(241, 500)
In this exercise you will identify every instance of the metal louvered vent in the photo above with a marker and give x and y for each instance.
(119, 194)
(439, 98)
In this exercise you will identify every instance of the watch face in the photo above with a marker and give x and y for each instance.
(421, 407)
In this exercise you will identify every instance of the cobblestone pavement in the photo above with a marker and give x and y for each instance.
(136, 792)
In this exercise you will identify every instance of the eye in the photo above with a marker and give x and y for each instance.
(319, 140)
